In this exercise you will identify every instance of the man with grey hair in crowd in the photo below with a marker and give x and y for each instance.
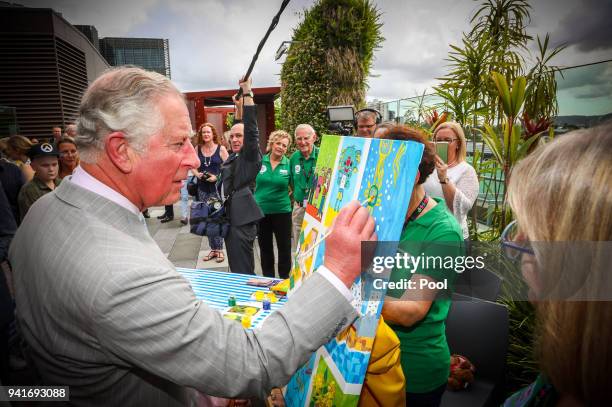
(366, 120)
(56, 131)
(302, 164)
(101, 308)
(70, 131)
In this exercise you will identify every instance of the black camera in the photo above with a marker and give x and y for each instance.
(341, 119)
(206, 174)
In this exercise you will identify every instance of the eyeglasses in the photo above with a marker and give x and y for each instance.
(452, 140)
(511, 248)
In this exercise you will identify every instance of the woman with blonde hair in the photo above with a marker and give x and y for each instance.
(17, 148)
(562, 200)
(212, 154)
(272, 196)
(456, 180)
(68, 156)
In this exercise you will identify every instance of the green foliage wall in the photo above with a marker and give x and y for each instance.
(329, 61)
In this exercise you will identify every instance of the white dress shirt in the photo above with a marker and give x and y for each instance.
(83, 179)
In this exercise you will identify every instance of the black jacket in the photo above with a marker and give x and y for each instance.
(240, 170)
(12, 181)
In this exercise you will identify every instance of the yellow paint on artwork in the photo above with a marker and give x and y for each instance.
(330, 215)
(354, 341)
(302, 266)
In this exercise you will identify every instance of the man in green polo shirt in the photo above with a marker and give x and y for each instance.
(44, 161)
(302, 164)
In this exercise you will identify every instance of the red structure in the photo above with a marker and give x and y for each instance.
(213, 106)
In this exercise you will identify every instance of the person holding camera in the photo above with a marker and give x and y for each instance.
(456, 181)
(211, 154)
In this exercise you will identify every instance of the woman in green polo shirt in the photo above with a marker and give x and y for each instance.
(418, 313)
(272, 196)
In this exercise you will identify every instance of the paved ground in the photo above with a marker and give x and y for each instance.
(183, 248)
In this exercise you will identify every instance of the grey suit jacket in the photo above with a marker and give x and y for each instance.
(104, 312)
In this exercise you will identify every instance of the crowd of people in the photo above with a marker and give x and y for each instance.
(122, 327)
(42, 166)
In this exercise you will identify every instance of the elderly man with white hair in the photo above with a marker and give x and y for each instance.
(106, 313)
(70, 131)
(302, 164)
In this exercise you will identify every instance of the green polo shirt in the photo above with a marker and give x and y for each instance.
(302, 173)
(31, 192)
(425, 357)
(272, 186)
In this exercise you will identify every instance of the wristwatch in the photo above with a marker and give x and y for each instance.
(444, 181)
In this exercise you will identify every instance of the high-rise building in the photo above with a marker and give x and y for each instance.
(45, 66)
(149, 53)
(91, 33)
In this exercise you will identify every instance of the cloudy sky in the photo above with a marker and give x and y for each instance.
(212, 41)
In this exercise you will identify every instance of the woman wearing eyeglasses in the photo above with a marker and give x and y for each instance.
(456, 180)
(562, 200)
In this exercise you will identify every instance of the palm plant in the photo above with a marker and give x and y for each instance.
(492, 83)
(510, 147)
(541, 91)
(503, 21)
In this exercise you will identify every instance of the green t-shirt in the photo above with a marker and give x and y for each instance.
(302, 173)
(272, 187)
(425, 356)
(32, 192)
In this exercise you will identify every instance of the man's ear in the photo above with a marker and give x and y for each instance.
(119, 152)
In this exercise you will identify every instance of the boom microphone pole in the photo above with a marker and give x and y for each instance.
(263, 41)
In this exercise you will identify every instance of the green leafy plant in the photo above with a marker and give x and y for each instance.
(509, 147)
(504, 95)
(329, 61)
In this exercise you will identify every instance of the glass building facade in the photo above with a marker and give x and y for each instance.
(149, 53)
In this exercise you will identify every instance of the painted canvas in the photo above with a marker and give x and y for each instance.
(380, 174)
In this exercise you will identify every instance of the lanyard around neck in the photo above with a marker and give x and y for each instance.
(419, 209)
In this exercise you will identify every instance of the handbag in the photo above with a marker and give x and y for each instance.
(211, 217)
(208, 218)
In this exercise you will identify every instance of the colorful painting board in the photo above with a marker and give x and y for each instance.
(381, 173)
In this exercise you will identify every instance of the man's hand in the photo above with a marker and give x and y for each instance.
(343, 247)
(245, 85)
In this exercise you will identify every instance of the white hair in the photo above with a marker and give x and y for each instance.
(121, 99)
(307, 127)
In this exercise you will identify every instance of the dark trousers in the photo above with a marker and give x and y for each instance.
(430, 399)
(169, 211)
(239, 245)
(279, 225)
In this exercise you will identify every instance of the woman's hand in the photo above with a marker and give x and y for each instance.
(211, 178)
(198, 174)
(237, 101)
(441, 168)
